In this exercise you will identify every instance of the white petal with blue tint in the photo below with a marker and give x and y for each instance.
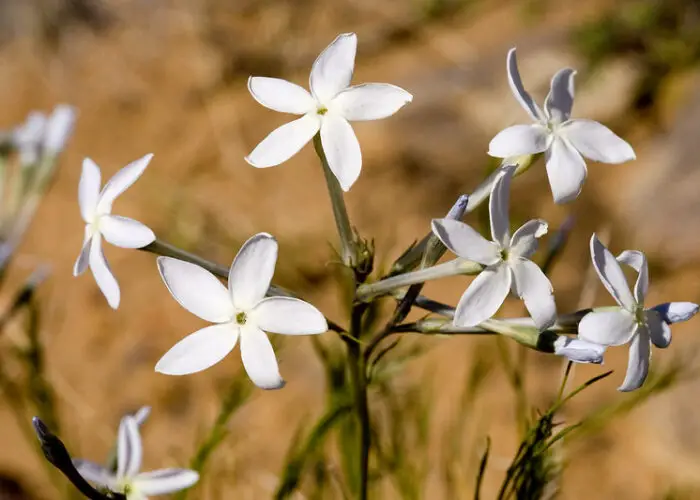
(200, 350)
(281, 95)
(370, 101)
(259, 358)
(289, 316)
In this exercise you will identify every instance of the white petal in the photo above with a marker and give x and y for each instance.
(659, 330)
(200, 350)
(524, 240)
(59, 128)
(81, 263)
(342, 149)
(520, 140)
(103, 274)
(499, 204)
(638, 363)
(164, 481)
(121, 181)
(674, 312)
(566, 170)
(289, 316)
(484, 296)
(579, 351)
(281, 95)
(196, 289)
(465, 242)
(89, 189)
(516, 86)
(259, 358)
(93, 472)
(533, 286)
(141, 415)
(610, 273)
(370, 101)
(637, 261)
(124, 232)
(252, 269)
(129, 448)
(608, 328)
(284, 142)
(332, 70)
(560, 99)
(597, 142)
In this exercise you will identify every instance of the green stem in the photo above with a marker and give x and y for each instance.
(452, 268)
(358, 378)
(340, 213)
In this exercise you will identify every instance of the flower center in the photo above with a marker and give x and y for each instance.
(322, 110)
(241, 318)
(504, 254)
(639, 315)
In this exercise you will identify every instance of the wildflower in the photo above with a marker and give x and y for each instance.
(127, 479)
(96, 208)
(329, 107)
(630, 322)
(241, 312)
(40, 134)
(561, 138)
(507, 261)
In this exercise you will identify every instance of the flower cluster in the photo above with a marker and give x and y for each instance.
(250, 307)
(244, 312)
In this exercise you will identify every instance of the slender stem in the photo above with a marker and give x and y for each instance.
(358, 378)
(451, 268)
(340, 213)
(517, 329)
(159, 247)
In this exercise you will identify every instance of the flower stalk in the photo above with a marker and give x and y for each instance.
(452, 268)
(527, 335)
(340, 213)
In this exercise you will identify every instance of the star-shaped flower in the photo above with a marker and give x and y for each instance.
(96, 209)
(329, 107)
(506, 259)
(630, 322)
(242, 312)
(561, 138)
(127, 479)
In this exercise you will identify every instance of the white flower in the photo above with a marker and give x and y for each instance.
(328, 108)
(631, 322)
(127, 479)
(96, 208)
(562, 139)
(579, 351)
(242, 312)
(506, 259)
(40, 134)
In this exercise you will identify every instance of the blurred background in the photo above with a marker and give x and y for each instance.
(169, 77)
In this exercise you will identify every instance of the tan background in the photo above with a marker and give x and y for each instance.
(168, 77)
